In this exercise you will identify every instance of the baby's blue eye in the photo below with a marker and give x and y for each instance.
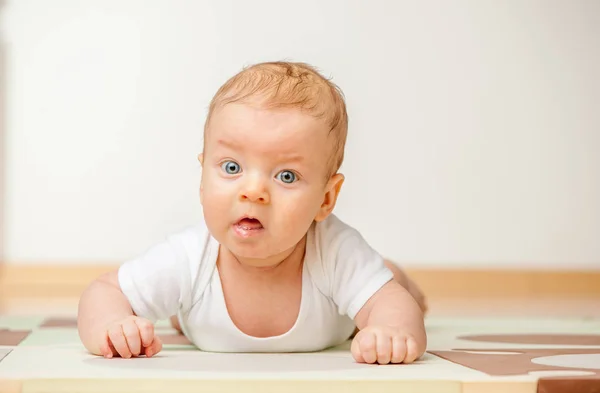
(287, 176)
(231, 167)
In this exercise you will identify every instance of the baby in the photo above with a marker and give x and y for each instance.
(268, 268)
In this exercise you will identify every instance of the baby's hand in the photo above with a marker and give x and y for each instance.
(383, 345)
(130, 337)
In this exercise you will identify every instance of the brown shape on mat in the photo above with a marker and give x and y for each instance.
(3, 353)
(544, 339)
(584, 384)
(13, 337)
(513, 361)
(503, 362)
(174, 339)
(60, 322)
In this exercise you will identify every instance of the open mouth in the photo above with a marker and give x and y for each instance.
(249, 223)
(248, 227)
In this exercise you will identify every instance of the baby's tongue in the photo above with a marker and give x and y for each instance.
(250, 223)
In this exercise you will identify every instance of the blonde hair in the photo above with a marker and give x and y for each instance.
(290, 85)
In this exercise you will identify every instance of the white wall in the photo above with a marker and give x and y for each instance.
(474, 138)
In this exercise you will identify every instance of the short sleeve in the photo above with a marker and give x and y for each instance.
(359, 272)
(154, 281)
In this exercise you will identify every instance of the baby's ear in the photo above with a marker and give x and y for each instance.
(201, 161)
(332, 191)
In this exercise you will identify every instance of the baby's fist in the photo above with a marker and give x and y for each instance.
(130, 337)
(383, 345)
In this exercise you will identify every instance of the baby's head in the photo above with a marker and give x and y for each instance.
(273, 144)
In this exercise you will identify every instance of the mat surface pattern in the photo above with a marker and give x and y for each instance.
(466, 355)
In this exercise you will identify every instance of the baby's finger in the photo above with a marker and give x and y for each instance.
(412, 350)
(105, 349)
(117, 338)
(384, 349)
(398, 349)
(113, 351)
(355, 350)
(146, 330)
(132, 336)
(368, 347)
(154, 348)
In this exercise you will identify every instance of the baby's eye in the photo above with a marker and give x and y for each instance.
(287, 176)
(231, 167)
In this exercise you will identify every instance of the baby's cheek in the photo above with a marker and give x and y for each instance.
(297, 214)
(216, 217)
(216, 189)
(215, 199)
(216, 203)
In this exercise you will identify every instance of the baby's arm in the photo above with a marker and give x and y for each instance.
(107, 324)
(370, 290)
(392, 328)
(403, 279)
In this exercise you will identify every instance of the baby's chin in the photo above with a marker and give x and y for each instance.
(259, 254)
(256, 257)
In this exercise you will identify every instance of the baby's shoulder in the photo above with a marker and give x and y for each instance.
(331, 242)
(193, 240)
(332, 234)
(341, 262)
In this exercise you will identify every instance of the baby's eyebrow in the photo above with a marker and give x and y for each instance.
(282, 156)
(291, 157)
(228, 144)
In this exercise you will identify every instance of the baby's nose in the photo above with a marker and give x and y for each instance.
(255, 191)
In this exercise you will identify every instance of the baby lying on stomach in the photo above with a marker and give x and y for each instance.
(269, 267)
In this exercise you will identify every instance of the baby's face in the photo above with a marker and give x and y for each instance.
(263, 178)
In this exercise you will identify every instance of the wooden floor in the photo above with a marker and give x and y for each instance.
(543, 306)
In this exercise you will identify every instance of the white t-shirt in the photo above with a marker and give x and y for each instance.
(179, 277)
